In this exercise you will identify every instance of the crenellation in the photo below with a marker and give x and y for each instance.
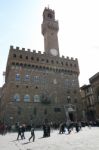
(72, 58)
(23, 49)
(17, 48)
(47, 9)
(44, 53)
(67, 57)
(11, 47)
(34, 51)
(63, 56)
(39, 52)
(28, 50)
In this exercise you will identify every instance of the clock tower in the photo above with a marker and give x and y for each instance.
(49, 30)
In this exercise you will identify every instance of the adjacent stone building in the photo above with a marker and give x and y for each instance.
(94, 81)
(41, 85)
(88, 103)
(90, 99)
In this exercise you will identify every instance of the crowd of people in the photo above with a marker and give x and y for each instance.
(21, 130)
(63, 127)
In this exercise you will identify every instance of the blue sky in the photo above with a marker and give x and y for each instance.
(20, 25)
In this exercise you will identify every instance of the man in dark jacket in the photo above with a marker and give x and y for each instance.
(32, 134)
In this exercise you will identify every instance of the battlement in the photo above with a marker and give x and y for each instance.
(40, 53)
(23, 49)
(48, 9)
(68, 58)
(26, 50)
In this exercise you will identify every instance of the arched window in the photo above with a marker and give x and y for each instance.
(16, 98)
(17, 77)
(68, 99)
(27, 77)
(36, 98)
(50, 16)
(26, 98)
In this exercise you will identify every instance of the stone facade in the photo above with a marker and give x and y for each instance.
(88, 103)
(94, 81)
(90, 99)
(41, 85)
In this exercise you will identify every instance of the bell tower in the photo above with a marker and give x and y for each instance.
(49, 30)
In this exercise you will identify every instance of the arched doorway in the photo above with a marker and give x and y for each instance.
(71, 116)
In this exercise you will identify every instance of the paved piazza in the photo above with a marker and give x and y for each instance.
(86, 139)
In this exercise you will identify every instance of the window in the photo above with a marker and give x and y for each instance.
(26, 98)
(71, 65)
(36, 87)
(62, 63)
(74, 82)
(26, 57)
(66, 63)
(87, 90)
(20, 56)
(27, 77)
(17, 86)
(36, 98)
(32, 58)
(47, 61)
(68, 99)
(50, 16)
(67, 83)
(36, 79)
(37, 59)
(14, 55)
(75, 65)
(17, 77)
(57, 109)
(16, 98)
(13, 63)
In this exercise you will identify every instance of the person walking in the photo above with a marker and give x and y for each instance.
(22, 131)
(19, 132)
(32, 134)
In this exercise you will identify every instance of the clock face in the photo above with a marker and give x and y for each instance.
(54, 52)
